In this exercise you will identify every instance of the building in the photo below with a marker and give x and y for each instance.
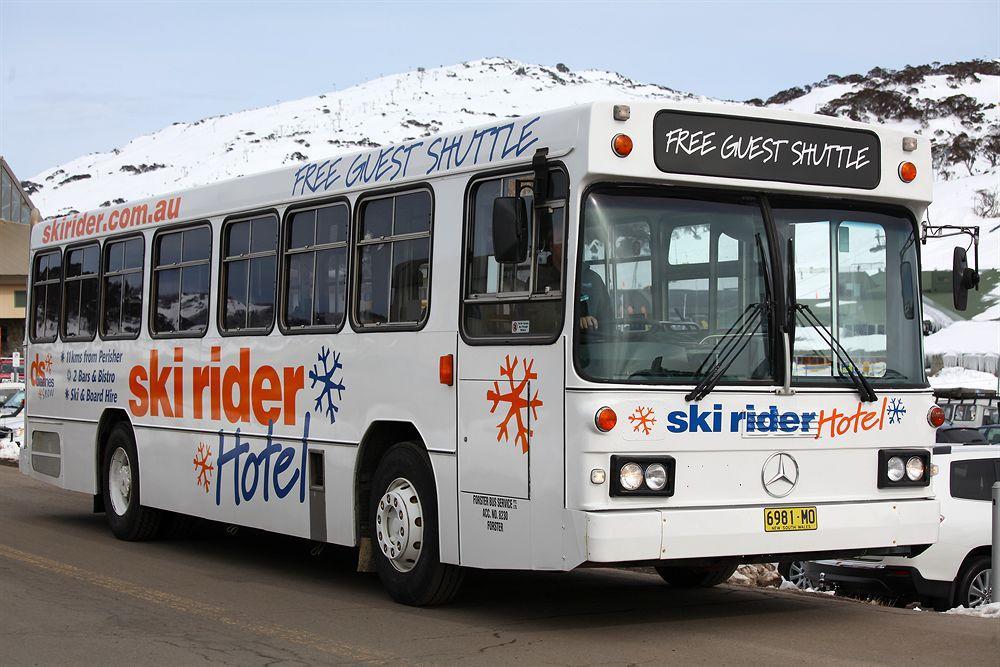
(16, 214)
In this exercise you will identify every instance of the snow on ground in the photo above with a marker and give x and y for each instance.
(991, 610)
(9, 451)
(975, 337)
(991, 313)
(965, 378)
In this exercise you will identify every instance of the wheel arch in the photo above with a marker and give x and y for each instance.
(110, 418)
(378, 438)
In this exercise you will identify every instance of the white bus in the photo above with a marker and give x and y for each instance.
(679, 336)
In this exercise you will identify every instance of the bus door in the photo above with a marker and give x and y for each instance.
(511, 377)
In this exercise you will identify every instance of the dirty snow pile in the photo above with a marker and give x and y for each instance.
(9, 451)
(991, 610)
(757, 575)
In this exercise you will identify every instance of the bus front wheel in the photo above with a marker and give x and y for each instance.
(120, 476)
(404, 529)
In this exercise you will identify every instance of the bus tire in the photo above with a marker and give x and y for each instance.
(697, 577)
(120, 481)
(404, 530)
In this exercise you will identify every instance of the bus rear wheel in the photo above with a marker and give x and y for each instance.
(120, 476)
(404, 529)
(697, 577)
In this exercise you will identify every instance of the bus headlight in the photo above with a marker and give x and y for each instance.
(656, 476)
(894, 469)
(631, 476)
(903, 467)
(915, 468)
(642, 475)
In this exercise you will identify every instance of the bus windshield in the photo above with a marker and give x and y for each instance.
(856, 270)
(665, 278)
(662, 283)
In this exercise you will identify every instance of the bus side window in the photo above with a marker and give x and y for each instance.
(249, 274)
(121, 296)
(80, 292)
(515, 302)
(46, 296)
(393, 260)
(181, 269)
(316, 268)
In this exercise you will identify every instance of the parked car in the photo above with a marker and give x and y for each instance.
(8, 389)
(11, 372)
(955, 570)
(991, 433)
(950, 434)
(12, 418)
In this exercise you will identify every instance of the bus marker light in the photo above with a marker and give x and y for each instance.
(605, 419)
(909, 144)
(935, 416)
(621, 112)
(598, 476)
(907, 171)
(621, 145)
(446, 369)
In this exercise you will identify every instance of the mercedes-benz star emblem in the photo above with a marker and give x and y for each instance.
(779, 474)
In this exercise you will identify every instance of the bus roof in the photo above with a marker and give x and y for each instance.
(717, 145)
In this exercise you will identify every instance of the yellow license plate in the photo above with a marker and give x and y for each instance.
(781, 519)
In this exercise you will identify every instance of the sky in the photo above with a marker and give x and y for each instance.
(81, 77)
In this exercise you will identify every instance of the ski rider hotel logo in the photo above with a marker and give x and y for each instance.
(240, 393)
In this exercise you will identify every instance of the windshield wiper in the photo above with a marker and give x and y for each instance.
(729, 347)
(732, 343)
(844, 360)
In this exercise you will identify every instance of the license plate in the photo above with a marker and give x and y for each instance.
(781, 519)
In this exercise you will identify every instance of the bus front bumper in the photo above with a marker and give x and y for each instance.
(705, 533)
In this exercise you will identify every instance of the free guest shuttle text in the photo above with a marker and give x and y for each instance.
(764, 149)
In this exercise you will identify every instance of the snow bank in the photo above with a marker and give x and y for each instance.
(964, 378)
(991, 313)
(9, 451)
(965, 337)
(991, 610)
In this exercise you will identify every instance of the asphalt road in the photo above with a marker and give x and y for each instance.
(72, 594)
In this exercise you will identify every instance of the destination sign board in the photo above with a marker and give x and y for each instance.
(765, 150)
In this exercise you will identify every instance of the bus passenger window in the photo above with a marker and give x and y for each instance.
(81, 291)
(515, 302)
(181, 270)
(249, 274)
(122, 293)
(316, 267)
(393, 260)
(46, 296)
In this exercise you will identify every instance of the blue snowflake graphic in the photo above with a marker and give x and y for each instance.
(327, 385)
(896, 410)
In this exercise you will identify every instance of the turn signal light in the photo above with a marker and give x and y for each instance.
(446, 369)
(622, 145)
(605, 419)
(907, 171)
(935, 416)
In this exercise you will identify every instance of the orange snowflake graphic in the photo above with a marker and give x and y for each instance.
(643, 419)
(203, 466)
(518, 402)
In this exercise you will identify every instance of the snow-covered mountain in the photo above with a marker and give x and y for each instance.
(956, 104)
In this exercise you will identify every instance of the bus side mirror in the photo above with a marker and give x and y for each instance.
(510, 230)
(962, 279)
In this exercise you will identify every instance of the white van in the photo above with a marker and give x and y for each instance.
(956, 570)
